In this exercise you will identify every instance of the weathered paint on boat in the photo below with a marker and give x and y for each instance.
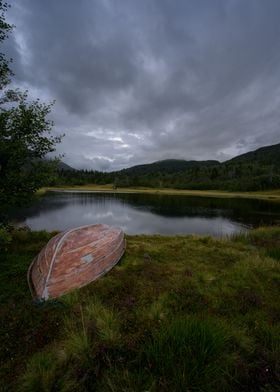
(75, 258)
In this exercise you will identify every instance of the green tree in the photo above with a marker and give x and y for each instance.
(25, 137)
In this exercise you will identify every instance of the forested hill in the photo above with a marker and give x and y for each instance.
(63, 166)
(167, 165)
(255, 170)
(264, 155)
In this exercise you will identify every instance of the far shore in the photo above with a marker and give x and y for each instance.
(272, 195)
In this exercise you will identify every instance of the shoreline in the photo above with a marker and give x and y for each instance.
(265, 195)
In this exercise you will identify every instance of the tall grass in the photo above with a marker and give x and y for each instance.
(72, 365)
(265, 238)
(40, 375)
(140, 328)
(69, 366)
(157, 310)
(106, 322)
(99, 321)
(188, 355)
(273, 252)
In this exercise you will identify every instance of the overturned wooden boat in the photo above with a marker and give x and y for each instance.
(75, 258)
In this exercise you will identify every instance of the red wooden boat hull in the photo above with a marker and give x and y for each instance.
(74, 258)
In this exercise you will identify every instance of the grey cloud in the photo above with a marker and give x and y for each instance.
(184, 79)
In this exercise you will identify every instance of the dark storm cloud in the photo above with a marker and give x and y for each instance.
(137, 81)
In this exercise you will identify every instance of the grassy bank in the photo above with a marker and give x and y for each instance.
(273, 195)
(182, 313)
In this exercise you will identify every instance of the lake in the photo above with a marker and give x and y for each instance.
(138, 213)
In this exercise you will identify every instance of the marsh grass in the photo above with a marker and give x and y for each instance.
(267, 239)
(157, 310)
(67, 366)
(177, 313)
(188, 354)
(40, 374)
(106, 322)
(273, 252)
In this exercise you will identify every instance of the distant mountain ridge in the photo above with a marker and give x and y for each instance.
(169, 165)
(265, 155)
(63, 166)
(254, 170)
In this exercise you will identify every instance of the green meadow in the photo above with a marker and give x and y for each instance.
(178, 313)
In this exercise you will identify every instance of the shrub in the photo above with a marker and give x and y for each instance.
(5, 239)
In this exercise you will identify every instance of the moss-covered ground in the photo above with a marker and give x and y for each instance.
(182, 313)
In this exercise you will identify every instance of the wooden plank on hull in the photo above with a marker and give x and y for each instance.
(75, 258)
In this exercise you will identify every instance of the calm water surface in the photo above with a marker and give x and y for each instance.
(150, 214)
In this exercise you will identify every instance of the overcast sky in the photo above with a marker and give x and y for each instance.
(137, 81)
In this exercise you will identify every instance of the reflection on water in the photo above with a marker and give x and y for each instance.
(146, 213)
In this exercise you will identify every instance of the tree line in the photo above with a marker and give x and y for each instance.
(235, 176)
